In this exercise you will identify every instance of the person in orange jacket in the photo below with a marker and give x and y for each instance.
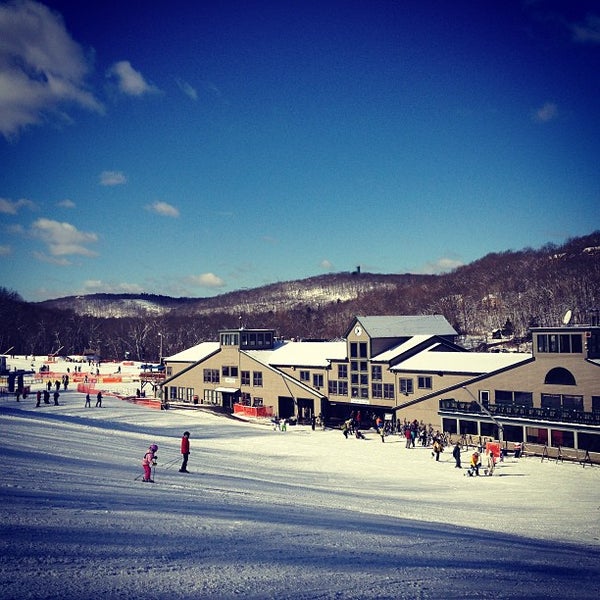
(475, 463)
(185, 451)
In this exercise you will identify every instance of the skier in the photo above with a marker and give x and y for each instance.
(437, 449)
(99, 400)
(88, 401)
(185, 451)
(491, 463)
(456, 455)
(149, 462)
(475, 464)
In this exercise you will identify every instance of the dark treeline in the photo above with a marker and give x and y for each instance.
(510, 291)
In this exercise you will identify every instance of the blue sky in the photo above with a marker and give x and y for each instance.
(194, 148)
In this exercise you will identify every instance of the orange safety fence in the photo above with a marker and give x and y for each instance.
(253, 411)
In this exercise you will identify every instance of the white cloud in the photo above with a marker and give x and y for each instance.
(63, 239)
(42, 69)
(163, 208)
(442, 265)
(326, 265)
(208, 280)
(112, 178)
(66, 203)
(130, 81)
(545, 113)
(12, 207)
(5, 250)
(53, 260)
(92, 286)
(587, 32)
(187, 89)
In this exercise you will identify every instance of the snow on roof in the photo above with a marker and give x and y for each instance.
(195, 353)
(461, 362)
(406, 325)
(392, 353)
(302, 354)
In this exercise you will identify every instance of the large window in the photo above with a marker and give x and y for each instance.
(560, 376)
(510, 398)
(406, 386)
(317, 380)
(376, 372)
(424, 383)
(358, 350)
(388, 390)
(550, 401)
(211, 376)
(562, 343)
(257, 379)
(338, 388)
(564, 401)
(343, 371)
(229, 371)
(245, 377)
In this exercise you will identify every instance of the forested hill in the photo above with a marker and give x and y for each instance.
(517, 289)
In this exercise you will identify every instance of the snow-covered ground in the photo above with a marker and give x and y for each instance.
(266, 514)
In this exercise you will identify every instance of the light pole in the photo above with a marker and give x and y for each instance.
(160, 354)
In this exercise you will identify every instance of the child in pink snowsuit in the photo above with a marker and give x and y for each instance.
(149, 460)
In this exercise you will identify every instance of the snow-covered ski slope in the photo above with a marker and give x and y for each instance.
(274, 515)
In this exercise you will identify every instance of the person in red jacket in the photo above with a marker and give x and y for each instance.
(185, 451)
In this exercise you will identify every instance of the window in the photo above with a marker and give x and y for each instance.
(245, 377)
(595, 403)
(563, 343)
(550, 401)
(257, 379)
(304, 375)
(229, 371)
(523, 399)
(503, 397)
(572, 402)
(377, 390)
(211, 376)
(510, 398)
(560, 376)
(230, 339)
(342, 371)
(388, 390)
(317, 380)
(406, 386)
(424, 383)
(358, 350)
(189, 396)
(338, 388)
(376, 372)
(245, 398)
(169, 371)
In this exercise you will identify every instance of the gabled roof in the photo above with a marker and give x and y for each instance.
(195, 353)
(402, 348)
(475, 363)
(301, 354)
(404, 326)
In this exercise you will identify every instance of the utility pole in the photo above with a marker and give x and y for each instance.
(488, 413)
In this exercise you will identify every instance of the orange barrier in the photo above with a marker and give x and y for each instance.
(253, 411)
(493, 447)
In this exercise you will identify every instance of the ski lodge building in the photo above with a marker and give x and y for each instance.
(402, 367)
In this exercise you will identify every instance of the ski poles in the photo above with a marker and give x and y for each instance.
(166, 467)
